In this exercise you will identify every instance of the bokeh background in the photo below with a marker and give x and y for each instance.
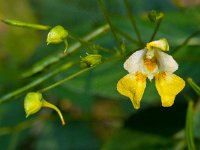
(97, 116)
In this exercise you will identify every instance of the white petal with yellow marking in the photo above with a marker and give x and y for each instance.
(135, 62)
(168, 86)
(166, 62)
(132, 86)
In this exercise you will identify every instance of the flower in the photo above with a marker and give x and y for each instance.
(148, 63)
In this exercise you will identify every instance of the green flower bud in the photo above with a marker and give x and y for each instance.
(155, 16)
(90, 60)
(57, 35)
(32, 103)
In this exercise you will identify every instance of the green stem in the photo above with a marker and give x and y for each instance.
(90, 44)
(185, 42)
(127, 36)
(49, 105)
(21, 90)
(87, 38)
(103, 9)
(158, 23)
(132, 19)
(25, 24)
(64, 80)
(66, 45)
(189, 125)
(194, 86)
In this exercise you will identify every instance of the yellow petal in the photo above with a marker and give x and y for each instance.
(168, 86)
(133, 86)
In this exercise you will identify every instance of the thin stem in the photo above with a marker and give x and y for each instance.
(25, 24)
(185, 42)
(17, 92)
(127, 36)
(158, 23)
(194, 86)
(65, 79)
(90, 44)
(87, 38)
(189, 124)
(132, 19)
(103, 9)
(49, 105)
(66, 45)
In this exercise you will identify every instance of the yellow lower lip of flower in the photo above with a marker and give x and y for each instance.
(168, 86)
(133, 86)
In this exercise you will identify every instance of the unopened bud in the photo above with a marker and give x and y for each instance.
(90, 60)
(32, 103)
(155, 16)
(57, 35)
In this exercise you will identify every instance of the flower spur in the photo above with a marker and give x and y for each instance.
(148, 63)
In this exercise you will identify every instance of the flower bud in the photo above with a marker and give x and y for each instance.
(32, 103)
(57, 35)
(155, 16)
(90, 60)
(161, 44)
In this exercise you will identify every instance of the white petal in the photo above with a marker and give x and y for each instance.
(166, 62)
(135, 62)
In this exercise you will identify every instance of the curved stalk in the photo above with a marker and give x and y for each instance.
(49, 105)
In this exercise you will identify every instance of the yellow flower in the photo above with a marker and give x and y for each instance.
(148, 63)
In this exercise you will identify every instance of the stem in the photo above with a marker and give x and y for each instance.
(194, 86)
(189, 124)
(127, 36)
(25, 24)
(89, 44)
(35, 82)
(65, 79)
(103, 9)
(185, 42)
(66, 45)
(132, 19)
(49, 105)
(87, 38)
(155, 30)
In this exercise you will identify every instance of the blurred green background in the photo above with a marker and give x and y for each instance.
(97, 116)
